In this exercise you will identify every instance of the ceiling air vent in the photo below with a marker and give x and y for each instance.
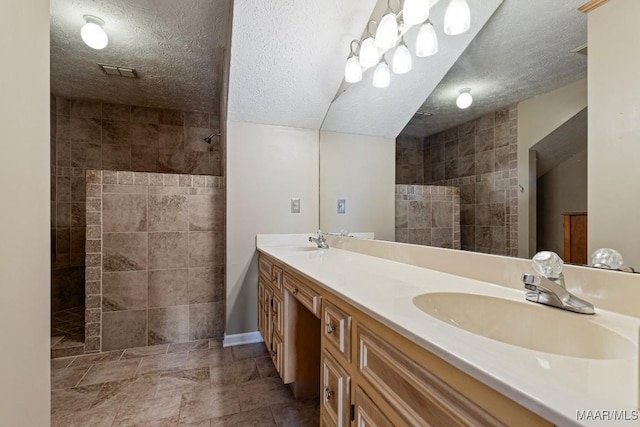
(114, 70)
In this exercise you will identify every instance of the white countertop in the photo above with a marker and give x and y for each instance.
(553, 386)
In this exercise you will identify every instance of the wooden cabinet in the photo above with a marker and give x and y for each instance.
(366, 413)
(308, 296)
(337, 329)
(335, 394)
(575, 238)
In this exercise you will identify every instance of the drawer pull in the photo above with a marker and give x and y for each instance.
(328, 394)
(295, 291)
(330, 328)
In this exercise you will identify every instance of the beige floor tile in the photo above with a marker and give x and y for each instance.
(92, 359)
(56, 340)
(236, 372)
(114, 393)
(302, 413)
(111, 371)
(210, 357)
(249, 351)
(61, 362)
(151, 412)
(91, 418)
(67, 378)
(178, 382)
(188, 346)
(266, 367)
(70, 400)
(208, 402)
(263, 392)
(205, 423)
(154, 350)
(257, 418)
(162, 363)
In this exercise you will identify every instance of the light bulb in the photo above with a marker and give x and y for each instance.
(427, 41)
(387, 33)
(465, 99)
(369, 55)
(381, 75)
(93, 34)
(402, 59)
(457, 19)
(352, 71)
(415, 11)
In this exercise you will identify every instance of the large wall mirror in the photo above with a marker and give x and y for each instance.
(508, 175)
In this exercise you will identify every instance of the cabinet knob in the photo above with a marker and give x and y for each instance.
(295, 291)
(328, 394)
(330, 328)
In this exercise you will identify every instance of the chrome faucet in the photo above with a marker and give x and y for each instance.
(319, 240)
(548, 288)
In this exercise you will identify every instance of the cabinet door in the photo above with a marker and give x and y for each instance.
(277, 353)
(337, 329)
(367, 414)
(335, 392)
(265, 314)
(277, 314)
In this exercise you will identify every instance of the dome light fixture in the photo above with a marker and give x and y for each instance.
(465, 99)
(427, 41)
(457, 19)
(382, 75)
(387, 32)
(353, 70)
(93, 34)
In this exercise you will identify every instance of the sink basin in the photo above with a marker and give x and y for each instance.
(527, 325)
(300, 248)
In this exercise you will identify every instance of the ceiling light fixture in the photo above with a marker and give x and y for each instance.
(387, 32)
(92, 32)
(457, 19)
(353, 70)
(390, 34)
(465, 99)
(382, 75)
(427, 40)
(415, 11)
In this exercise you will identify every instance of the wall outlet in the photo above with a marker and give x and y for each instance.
(342, 206)
(295, 205)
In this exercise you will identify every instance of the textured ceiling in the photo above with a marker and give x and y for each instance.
(287, 58)
(364, 109)
(525, 50)
(176, 47)
(561, 144)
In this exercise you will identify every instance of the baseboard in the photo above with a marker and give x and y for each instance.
(239, 339)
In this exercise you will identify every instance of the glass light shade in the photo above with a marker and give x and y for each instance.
(94, 36)
(402, 59)
(457, 19)
(352, 71)
(464, 100)
(369, 53)
(427, 41)
(415, 11)
(382, 75)
(387, 33)
(548, 264)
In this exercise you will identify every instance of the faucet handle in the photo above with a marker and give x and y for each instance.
(548, 264)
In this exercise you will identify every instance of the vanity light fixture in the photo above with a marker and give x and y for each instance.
(402, 59)
(369, 54)
(93, 34)
(427, 41)
(353, 70)
(415, 11)
(465, 99)
(382, 75)
(457, 19)
(387, 32)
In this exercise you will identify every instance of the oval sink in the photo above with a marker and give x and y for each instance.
(527, 325)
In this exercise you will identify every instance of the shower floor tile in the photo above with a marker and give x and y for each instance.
(67, 332)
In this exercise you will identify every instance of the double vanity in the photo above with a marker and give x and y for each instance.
(390, 343)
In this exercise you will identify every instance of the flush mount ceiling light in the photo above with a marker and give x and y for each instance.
(93, 34)
(353, 70)
(465, 99)
(457, 19)
(390, 34)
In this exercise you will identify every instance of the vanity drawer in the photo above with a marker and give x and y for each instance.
(303, 293)
(335, 392)
(277, 313)
(418, 396)
(366, 413)
(337, 329)
(276, 277)
(265, 266)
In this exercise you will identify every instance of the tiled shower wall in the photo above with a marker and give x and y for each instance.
(101, 136)
(479, 157)
(155, 259)
(428, 215)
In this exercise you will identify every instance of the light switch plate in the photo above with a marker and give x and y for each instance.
(295, 205)
(342, 206)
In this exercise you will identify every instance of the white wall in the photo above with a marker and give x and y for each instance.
(24, 187)
(361, 170)
(266, 166)
(537, 118)
(614, 129)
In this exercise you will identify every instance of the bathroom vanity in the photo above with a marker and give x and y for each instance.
(376, 338)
